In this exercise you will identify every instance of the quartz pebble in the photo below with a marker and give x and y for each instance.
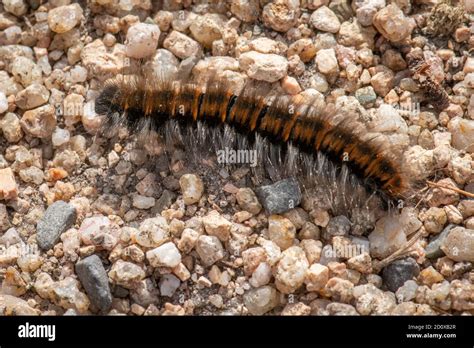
(248, 201)
(126, 274)
(327, 61)
(280, 15)
(93, 277)
(39, 122)
(152, 232)
(261, 300)
(458, 245)
(366, 9)
(340, 290)
(290, 272)
(407, 291)
(98, 230)
(181, 45)
(207, 28)
(263, 67)
(261, 275)
(316, 277)
(32, 175)
(4, 220)
(25, 71)
(168, 285)
(217, 225)
(209, 249)
(66, 294)
(393, 24)
(8, 186)
(57, 219)
(418, 163)
(166, 255)
(60, 137)
(462, 131)
(3, 103)
(11, 128)
(32, 96)
(325, 20)
(99, 62)
(143, 202)
(192, 188)
(430, 276)
(142, 40)
(13, 305)
(281, 231)
(63, 18)
(15, 7)
(244, 10)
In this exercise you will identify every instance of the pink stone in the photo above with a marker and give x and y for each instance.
(8, 187)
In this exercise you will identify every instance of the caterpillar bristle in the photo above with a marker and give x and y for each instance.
(292, 135)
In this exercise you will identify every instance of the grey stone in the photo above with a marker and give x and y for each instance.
(398, 272)
(165, 200)
(338, 226)
(366, 95)
(433, 249)
(187, 65)
(280, 196)
(95, 281)
(59, 217)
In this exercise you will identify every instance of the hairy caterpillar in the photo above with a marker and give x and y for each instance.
(352, 171)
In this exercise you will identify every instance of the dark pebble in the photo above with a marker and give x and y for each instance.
(398, 272)
(94, 279)
(338, 226)
(280, 197)
(59, 217)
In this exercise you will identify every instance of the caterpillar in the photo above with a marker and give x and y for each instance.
(352, 171)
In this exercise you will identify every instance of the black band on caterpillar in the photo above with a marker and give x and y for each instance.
(146, 105)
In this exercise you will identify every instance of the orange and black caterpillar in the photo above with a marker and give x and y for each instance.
(284, 132)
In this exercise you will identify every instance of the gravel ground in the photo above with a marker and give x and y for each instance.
(92, 226)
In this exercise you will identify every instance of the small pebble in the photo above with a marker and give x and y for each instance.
(391, 22)
(166, 255)
(142, 40)
(39, 122)
(290, 272)
(63, 18)
(192, 188)
(398, 272)
(217, 225)
(458, 245)
(59, 217)
(263, 67)
(209, 249)
(93, 277)
(280, 196)
(325, 20)
(261, 300)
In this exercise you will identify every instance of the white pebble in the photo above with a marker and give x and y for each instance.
(166, 255)
(3, 103)
(168, 285)
(142, 40)
(60, 137)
